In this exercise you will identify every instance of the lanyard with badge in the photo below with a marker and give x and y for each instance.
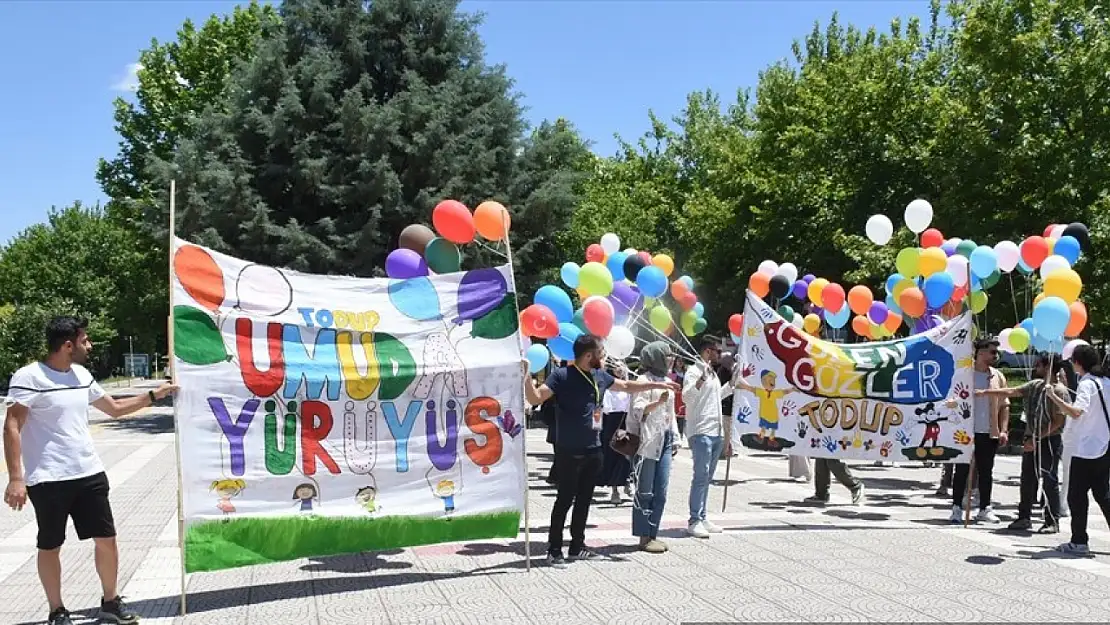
(596, 423)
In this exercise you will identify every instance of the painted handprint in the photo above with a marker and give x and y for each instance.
(962, 391)
(845, 442)
(788, 408)
(884, 451)
(965, 410)
(747, 370)
(829, 444)
(803, 429)
(962, 437)
(814, 443)
(868, 445)
(903, 437)
(757, 352)
(744, 414)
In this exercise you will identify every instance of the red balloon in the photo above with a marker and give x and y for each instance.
(688, 300)
(539, 321)
(832, 297)
(736, 324)
(678, 289)
(1048, 230)
(932, 238)
(598, 314)
(646, 257)
(1034, 251)
(453, 221)
(595, 253)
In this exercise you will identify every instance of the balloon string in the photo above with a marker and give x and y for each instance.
(491, 249)
(666, 338)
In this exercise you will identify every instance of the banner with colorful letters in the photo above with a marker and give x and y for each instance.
(902, 400)
(322, 415)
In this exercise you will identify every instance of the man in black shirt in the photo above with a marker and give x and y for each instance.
(577, 390)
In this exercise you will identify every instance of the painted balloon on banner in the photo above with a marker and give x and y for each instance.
(200, 276)
(415, 298)
(263, 291)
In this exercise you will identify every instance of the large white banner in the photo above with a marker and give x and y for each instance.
(324, 414)
(899, 400)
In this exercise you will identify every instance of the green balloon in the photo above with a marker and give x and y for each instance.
(595, 279)
(786, 312)
(965, 248)
(442, 256)
(700, 325)
(660, 318)
(992, 279)
(908, 262)
(197, 340)
(580, 321)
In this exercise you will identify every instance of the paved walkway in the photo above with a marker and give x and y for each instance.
(895, 559)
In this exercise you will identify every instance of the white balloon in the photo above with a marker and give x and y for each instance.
(797, 321)
(879, 229)
(1057, 232)
(610, 243)
(957, 268)
(768, 267)
(620, 343)
(1052, 264)
(788, 271)
(1069, 349)
(631, 251)
(263, 291)
(1008, 255)
(919, 214)
(1004, 340)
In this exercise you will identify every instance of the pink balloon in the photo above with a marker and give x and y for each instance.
(598, 314)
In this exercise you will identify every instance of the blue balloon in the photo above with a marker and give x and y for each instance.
(893, 281)
(938, 289)
(569, 274)
(570, 331)
(1027, 325)
(983, 261)
(1042, 344)
(893, 305)
(616, 265)
(556, 300)
(1025, 269)
(538, 357)
(652, 281)
(840, 319)
(949, 248)
(688, 280)
(699, 310)
(1050, 318)
(1069, 248)
(416, 298)
(561, 348)
(736, 339)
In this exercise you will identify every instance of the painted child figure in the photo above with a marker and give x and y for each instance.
(226, 489)
(306, 493)
(367, 498)
(445, 490)
(769, 398)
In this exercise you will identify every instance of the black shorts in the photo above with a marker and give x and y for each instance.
(84, 499)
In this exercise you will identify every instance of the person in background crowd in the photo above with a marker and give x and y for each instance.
(615, 468)
(1090, 463)
(991, 413)
(1067, 437)
(706, 426)
(678, 374)
(1042, 444)
(653, 419)
(577, 391)
(46, 432)
(547, 416)
(726, 372)
(823, 467)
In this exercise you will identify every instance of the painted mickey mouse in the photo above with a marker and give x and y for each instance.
(931, 418)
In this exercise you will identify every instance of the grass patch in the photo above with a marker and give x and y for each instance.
(215, 545)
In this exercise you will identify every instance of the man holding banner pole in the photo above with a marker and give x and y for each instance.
(47, 433)
(705, 432)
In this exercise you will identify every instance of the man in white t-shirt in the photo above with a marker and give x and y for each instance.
(51, 460)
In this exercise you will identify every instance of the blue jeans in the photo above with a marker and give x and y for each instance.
(651, 491)
(707, 451)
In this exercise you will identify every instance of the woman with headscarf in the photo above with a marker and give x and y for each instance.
(653, 419)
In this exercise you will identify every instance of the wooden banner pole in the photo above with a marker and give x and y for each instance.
(173, 378)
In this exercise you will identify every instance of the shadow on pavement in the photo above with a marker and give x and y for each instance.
(146, 424)
(357, 563)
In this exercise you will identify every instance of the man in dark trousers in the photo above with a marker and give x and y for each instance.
(577, 391)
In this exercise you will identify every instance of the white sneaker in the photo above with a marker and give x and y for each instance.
(987, 515)
(957, 516)
(697, 530)
(712, 528)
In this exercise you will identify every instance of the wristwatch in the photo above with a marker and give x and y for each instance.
(150, 394)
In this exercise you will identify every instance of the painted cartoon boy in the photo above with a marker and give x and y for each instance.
(366, 498)
(445, 490)
(769, 398)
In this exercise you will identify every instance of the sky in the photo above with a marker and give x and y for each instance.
(603, 64)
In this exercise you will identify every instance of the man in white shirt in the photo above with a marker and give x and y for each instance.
(51, 460)
(705, 432)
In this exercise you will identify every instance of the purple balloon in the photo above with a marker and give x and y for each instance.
(878, 313)
(403, 264)
(624, 298)
(809, 277)
(480, 291)
(949, 248)
(927, 323)
(800, 289)
(817, 310)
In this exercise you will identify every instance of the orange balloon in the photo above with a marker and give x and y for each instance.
(492, 220)
(951, 309)
(893, 322)
(200, 276)
(759, 283)
(860, 299)
(862, 326)
(1078, 319)
(679, 288)
(912, 302)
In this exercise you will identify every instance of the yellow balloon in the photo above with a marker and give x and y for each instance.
(1039, 299)
(664, 262)
(1051, 245)
(902, 285)
(1065, 284)
(660, 318)
(932, 260)
(815, 289)
(811, 324)
(978, 302)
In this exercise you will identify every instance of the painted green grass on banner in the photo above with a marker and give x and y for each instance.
(246, 541)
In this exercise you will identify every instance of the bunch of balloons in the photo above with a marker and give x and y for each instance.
(421, 251)
(614, 288)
